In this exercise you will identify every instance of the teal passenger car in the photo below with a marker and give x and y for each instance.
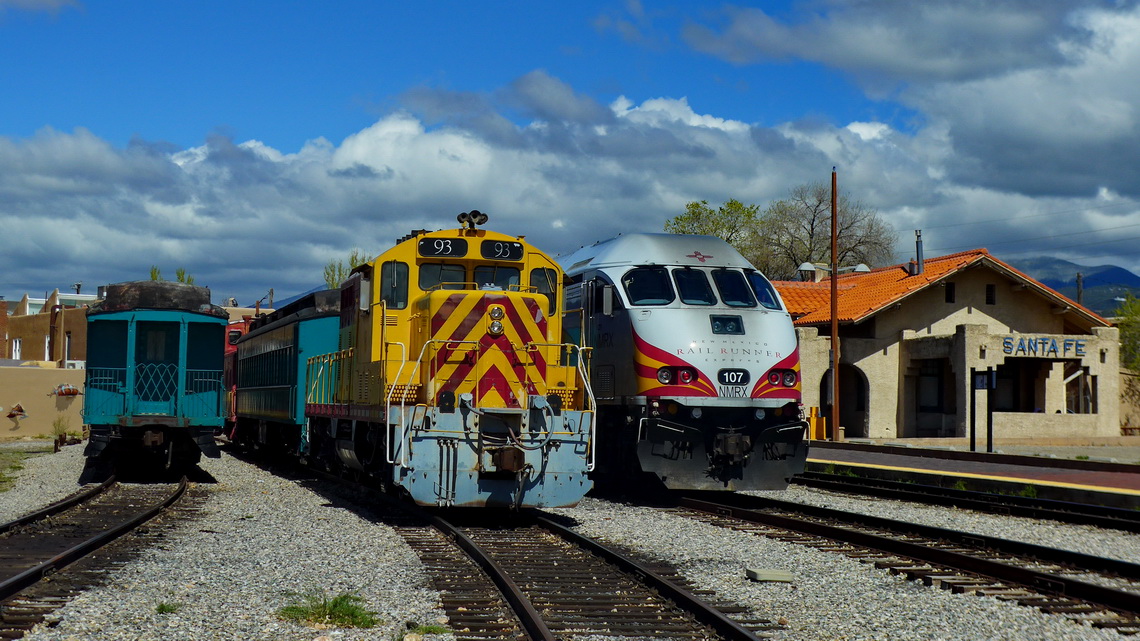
(154, 394)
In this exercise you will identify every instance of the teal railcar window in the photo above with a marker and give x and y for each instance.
(106, 344)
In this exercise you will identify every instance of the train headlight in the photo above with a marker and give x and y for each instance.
(696, 412)
(496, 327)
(760, 414)
(665, 376)
(789, 378)
(774, 377)
(686, 376)
(497, 313)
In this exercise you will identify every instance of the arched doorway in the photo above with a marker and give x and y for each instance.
(853, 390)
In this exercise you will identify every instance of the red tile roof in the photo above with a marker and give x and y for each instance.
(861, 295)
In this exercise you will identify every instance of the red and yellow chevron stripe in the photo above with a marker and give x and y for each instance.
(647, 359)
(764, 389)
(496, 370)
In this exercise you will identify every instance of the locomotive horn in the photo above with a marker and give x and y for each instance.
(475, 217)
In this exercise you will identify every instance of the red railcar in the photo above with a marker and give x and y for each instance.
(234, 331)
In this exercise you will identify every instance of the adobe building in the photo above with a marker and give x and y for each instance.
(910, 337)
(43, 351)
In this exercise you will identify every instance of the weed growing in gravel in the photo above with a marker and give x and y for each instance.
(960, 484)
(168, 608)
(12, 461)
(343, 611)
(1028, 492)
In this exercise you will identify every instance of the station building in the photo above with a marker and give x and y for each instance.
(912, 336)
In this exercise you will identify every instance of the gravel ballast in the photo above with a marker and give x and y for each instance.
(261, 536)
(260, 541)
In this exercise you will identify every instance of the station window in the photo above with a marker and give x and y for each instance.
(991, 294)
(394, 284)
(648, 286)
(949, 292)
(694, 287)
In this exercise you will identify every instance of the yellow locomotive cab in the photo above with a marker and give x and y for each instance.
(451, 374)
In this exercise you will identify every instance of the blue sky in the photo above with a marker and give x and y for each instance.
(253, 142)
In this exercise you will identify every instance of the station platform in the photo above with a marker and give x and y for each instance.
(1065, 479)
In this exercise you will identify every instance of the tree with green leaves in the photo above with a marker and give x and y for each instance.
(1127, 317)
(797, 230)
(1128, 322)
(793, 231)
(337, 271)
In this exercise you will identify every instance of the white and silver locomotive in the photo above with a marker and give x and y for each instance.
(694, 363)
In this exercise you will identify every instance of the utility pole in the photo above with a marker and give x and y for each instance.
(1080, 288)
(834, 312)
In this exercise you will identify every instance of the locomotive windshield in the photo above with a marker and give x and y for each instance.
(544, 281)
(764, 291)
(648, 286)
(734, 291)
(497, 277)
(433, 275)
(694, 287)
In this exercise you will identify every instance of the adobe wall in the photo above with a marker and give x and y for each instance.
(31, 387)
(3, 329)
(33, 329)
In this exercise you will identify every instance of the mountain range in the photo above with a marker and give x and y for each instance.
(1103, 287)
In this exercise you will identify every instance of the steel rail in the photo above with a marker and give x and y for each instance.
(701, 611)
(31, 576)
(1064, 511)
(58, 506)
(1080, 560)
(1039, 581)
(528, 616)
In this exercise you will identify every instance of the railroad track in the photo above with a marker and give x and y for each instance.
(1061, 511)
(35, 547)
(1098, 591)
(533, 578)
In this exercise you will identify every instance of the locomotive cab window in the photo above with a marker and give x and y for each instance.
(733, 290)
(764, 291)
(648, 286)
(394, 284)
(442, 276)
(545, 281)
(693, 286)
(496, 277)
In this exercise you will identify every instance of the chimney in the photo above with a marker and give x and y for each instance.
(918, 251)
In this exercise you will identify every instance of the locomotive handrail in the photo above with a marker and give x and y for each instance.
(592, 456)
(389, 454)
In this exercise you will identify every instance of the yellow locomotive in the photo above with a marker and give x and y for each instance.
(452, 380)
